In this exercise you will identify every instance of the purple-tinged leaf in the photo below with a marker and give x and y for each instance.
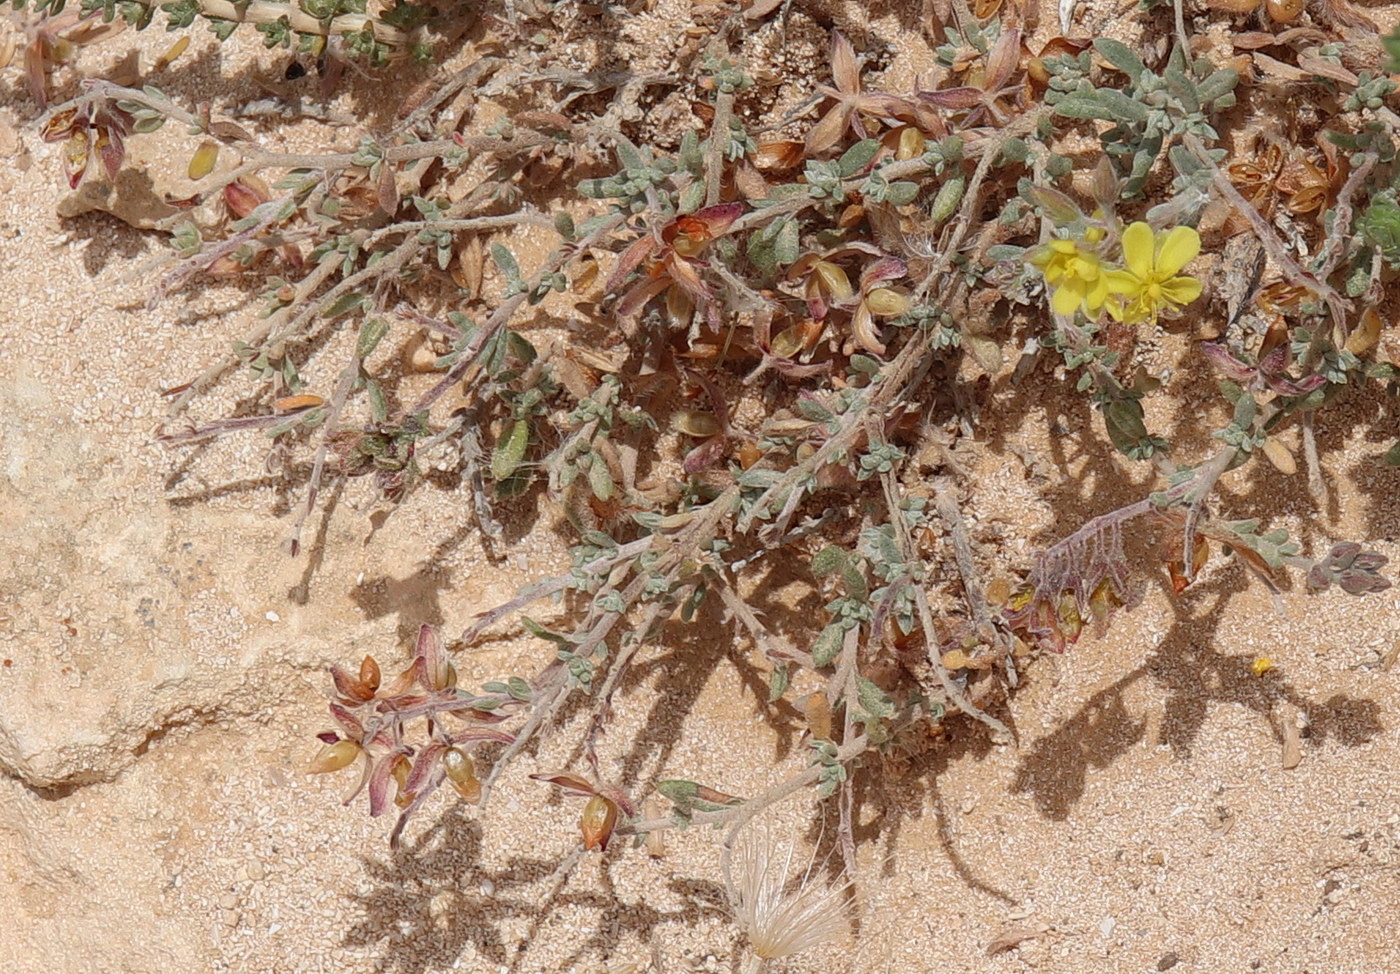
(380, 780)
(1287, 387)
(351, 725)
(1220, 357)
(423, 766)
(349, 687)
(704, 456)
(481, 734)
(884, 269)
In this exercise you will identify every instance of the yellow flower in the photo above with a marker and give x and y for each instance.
(1152, 281)
(1078, 277)
(1261, 665)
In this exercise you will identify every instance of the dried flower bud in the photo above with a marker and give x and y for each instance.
(369, 672)
(460, 771)
(598, 821)
(333, 757)
(244, 194)
(886, 302)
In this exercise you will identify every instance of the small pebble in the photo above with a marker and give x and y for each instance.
(273, 616)
(228, 901)
(256, 871)
(1167, 961)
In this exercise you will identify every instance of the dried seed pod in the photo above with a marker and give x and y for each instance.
(1280, 456)
(369, 672)
(692, 422)
(598, 821)
(172, 52)
(886, 303)
(1367, 332)
(205, 158)
(817, 709)
(333, 757)
(832, 280)
(292, 404)
(911, 144)
(788, 342)
(460, 771)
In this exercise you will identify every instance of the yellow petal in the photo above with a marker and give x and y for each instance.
(1179, 248)
(1066, 299)
(1181, 290)
(1123, 282)
(1094, 300)
(1138, 249)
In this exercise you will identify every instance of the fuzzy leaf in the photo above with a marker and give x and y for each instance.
(1121, 57)
(510, 451)
(828, 644)
(857, 157)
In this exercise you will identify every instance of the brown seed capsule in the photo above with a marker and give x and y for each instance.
(369, 673)
(462, 773)
(598, 821)
(333, 757)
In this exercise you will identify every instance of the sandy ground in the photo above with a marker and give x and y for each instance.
(163, 665)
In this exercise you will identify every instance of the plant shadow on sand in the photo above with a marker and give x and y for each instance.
(431, 904)
(1195, 676)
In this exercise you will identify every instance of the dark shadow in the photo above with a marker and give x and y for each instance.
(1196, 677)
(432, 906)
(417, 598)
